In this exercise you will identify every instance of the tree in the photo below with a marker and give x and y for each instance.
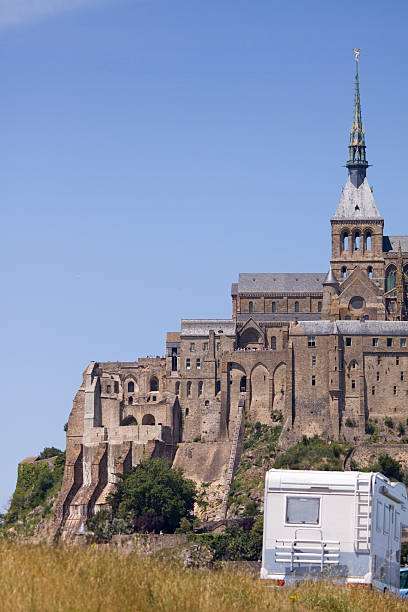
(389, 467)
(48, 452)
(154, 495)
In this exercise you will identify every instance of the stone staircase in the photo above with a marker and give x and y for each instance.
(234, 456)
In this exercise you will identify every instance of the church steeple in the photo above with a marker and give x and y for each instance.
(357, 163)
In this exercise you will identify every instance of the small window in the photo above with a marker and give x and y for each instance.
(401, 376)
(154, 398)
(177, 388)
(403, 342)
(188, 364)
(130, 400)
(395, 390)
(296, 306)
(348, 341)
(189, 388)
(116, 386)
(397, 360)
(353, 364)
(192, 347)
(251, 307)
(314, 360)
(378, 376)
(108, 388)
(217, 386)
(378, 360)
(302, 510)
(273, 342)
(368, 241)
(379, 518)
(373, 390)
(353, 384)
(154, 384)
(313, 381)
(205, 346)
(311, 341)
(218, 346)
(242, 384)
(273, 306)
(198, 363)
(200, 388)
(370, 272)
(319, 307)
(344, 272)
(131, 387)
(375, 341)
(357, 241)
(387, 519)
(389, 341)
(345, 240)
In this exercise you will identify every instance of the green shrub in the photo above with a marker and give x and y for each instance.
(388, 422)
(313, 453)
(236, 543)
(400, 429)
(371, 428)
(350, 422)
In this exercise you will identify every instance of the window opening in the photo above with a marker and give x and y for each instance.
(389, 341)
(390, 279)
(370, 272)
(313, 381)
(188, 364)
(353, 384)
(251, 307)
(401, 376)
(177, 388)
(357, 241)
(116, 386)
(403, 342)
(395, 390)
(130, 401)
(302, 510)
(154, 384)
(131, 387)
(242, 384)
(368, 242)
(200, 388)
(345, 242)
(108, 388)
(314, 360)
(311, 341)
(378, 376)
(319, 307)
(198, 363)
(189, 388)
(397, 360)
(373, 390)
(192, 347)
(348, 341)
(296, 306)
(344, 272)
(273, 342)
(273, 306)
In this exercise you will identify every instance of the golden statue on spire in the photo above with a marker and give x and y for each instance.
(356, 53)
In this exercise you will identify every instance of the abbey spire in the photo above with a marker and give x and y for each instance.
(357, 163)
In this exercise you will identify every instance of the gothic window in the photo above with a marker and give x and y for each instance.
(131, 387)
(154, 384)
(273, 342)
(189, 388)
(357, 241)
(273, 306)
(368, 241)
(130, 401)
(116, 386)
(251, 307)
(200, 388)
(242, 384)
(177, 388)
(108, 388)
(296, 306)
(345, 241)
(319, 307)
(390, 279)
(370, 272)
(343, 272)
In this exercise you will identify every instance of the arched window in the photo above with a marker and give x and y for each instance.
(357, 241)
(177, 388)
(296, 306)
(189, 388)
(368, 241)
(273, 342)
(273, 306)
(200, 388)
(319, 307)
(251, 307)
(148, 419)
(353, 364)
(370, 272)
(343, 272)
(131, 386)
(154, 384)
(390, 279)
(345, 241)
(242, 384)
(130, 420)
(130, 400)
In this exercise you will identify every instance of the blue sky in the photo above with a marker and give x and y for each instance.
(150, 151)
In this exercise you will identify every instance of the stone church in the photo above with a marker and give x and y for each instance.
(321, 353)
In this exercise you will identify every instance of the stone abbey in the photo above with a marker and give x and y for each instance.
(322, 353)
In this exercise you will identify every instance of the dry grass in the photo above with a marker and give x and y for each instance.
(45, 579)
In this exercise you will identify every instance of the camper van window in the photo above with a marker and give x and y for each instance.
(397, 527)
(386, 519)
(302, 510)
(379, 516)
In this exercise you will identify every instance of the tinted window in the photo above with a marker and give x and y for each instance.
(302, 510)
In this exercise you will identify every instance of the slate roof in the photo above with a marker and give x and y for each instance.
(351, 328)
(281, 282)
(356, 203)
(391, 243)
(201, 327)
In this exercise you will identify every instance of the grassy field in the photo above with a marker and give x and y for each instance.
(50, 579)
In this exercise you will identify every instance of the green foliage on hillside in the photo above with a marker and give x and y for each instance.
(236, 543)
(37, 485)
(386, 465)
(314, 454)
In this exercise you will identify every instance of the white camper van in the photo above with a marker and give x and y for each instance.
(343, 526)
